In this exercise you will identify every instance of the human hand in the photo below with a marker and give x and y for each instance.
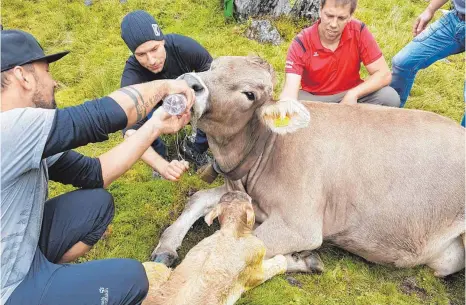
(349, 99)
(181, 86)
(422, 21)
(167, 123)
(172, 171)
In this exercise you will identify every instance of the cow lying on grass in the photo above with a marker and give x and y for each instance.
(386, 184)
(222, 266)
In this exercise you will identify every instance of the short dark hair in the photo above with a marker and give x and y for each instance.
(353, 3)
(5, 75)
(5, 80)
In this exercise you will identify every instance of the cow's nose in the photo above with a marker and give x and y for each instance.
(194, 82)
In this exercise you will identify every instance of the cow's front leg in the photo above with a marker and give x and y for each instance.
(273, 266)
(268, 269)
(304, 261)
(294, 239)
(198, 205)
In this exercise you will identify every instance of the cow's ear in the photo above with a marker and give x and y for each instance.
(285, 116)
(209, 218)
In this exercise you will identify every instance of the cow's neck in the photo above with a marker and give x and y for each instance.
(235, 156)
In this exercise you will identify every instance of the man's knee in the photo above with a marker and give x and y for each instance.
(387, 96)
(402, 61)
(103, 209)
(390, 97)
(135, 276)
(103, 201)
(398, 61)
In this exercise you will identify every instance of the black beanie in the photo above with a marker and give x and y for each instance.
(138, 27)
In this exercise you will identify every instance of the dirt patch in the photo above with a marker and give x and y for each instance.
(409, 286)
(107, 232)
(191, 191)
(294, 282)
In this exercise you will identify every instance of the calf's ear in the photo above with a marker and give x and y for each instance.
(209, 218)
(285, 116)
(250, 216)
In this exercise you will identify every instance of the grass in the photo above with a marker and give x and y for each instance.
(144, 207)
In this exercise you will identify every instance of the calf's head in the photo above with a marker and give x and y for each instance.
(237, 92)
(234, 210)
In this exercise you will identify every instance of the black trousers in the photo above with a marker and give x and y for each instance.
(82, 215)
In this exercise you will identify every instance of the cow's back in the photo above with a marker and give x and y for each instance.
(379, 173)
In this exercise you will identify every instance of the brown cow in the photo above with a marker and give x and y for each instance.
(386, 184)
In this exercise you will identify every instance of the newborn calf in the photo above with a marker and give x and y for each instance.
(222, 266)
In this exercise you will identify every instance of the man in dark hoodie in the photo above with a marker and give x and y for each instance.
(158, 56)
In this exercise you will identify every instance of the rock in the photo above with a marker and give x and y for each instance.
(253, 8)
(264, 32)
(308, 9)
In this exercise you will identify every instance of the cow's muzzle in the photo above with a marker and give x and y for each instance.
(200, 90)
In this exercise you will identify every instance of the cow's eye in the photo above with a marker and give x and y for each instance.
(250, 95)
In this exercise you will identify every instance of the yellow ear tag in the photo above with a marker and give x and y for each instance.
(279, 122)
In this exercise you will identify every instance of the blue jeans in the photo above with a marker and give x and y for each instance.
(443, 38)
(464, 98)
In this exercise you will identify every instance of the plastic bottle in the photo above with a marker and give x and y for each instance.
(175, 104)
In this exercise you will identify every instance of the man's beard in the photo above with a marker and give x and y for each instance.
(39, 101)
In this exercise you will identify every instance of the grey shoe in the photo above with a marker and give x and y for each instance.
(87, 2)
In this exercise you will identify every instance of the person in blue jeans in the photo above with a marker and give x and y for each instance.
(443, 38)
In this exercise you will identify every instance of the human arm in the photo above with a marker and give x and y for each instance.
(119, 159)
(421, 22)
(294, 68)
(379, 77)
(76, 169)
(94, 120)
(372, 58)
(132, 74)
(169, 170)
(291, 87)
(85, 172)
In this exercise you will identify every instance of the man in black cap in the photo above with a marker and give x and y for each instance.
(40, 235)
(159, 56)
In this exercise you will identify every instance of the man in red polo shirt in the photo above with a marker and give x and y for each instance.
(323, 61)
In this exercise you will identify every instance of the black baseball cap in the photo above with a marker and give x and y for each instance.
(20, 48)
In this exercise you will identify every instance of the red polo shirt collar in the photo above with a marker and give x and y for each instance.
(315, 38)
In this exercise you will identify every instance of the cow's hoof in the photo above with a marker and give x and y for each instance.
(166, 258)
(312, 259)
(314, 262)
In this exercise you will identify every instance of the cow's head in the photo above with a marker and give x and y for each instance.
(237, 91)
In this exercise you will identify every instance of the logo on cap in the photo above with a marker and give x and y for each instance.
(156, 29)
